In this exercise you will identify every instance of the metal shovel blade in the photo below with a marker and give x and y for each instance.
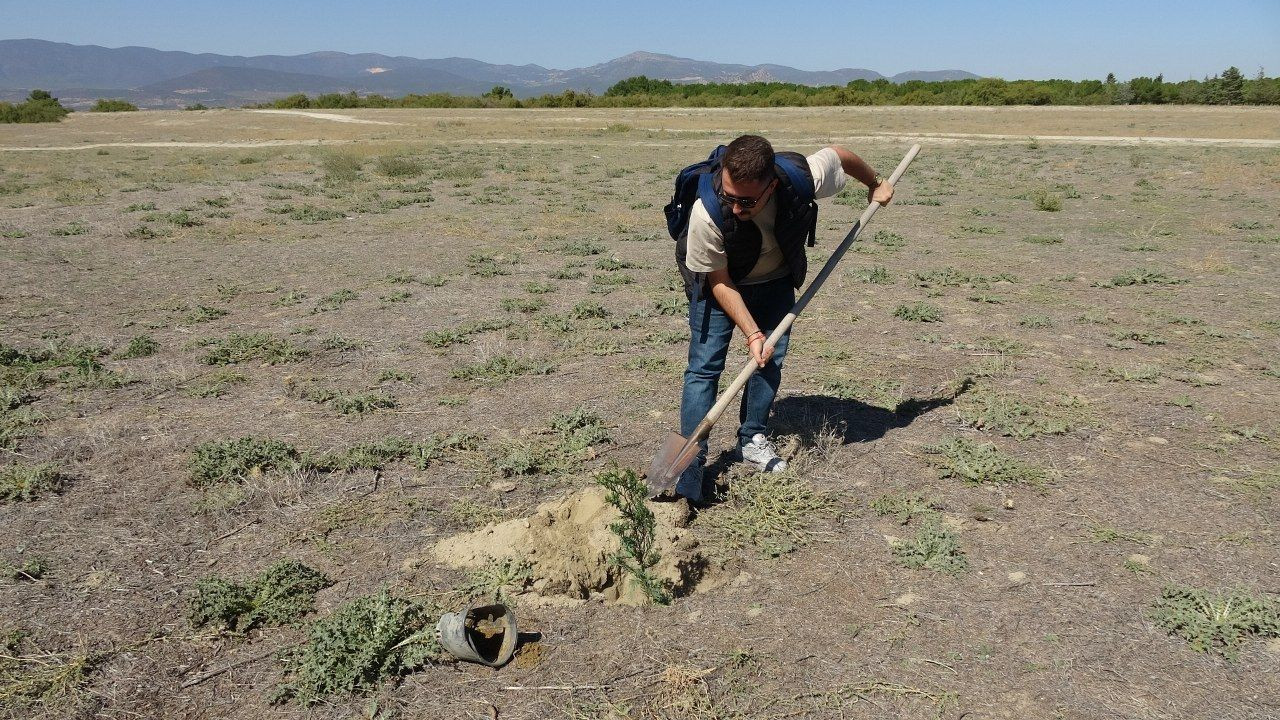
(676, 454)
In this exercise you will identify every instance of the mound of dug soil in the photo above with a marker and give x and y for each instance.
(567, 544)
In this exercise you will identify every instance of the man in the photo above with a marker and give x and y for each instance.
(745, 275)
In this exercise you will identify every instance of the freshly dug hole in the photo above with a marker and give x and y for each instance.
(568, 545)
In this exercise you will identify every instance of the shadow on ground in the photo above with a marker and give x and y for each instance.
(812, 416)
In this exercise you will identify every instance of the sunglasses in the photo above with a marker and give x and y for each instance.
(742, 202)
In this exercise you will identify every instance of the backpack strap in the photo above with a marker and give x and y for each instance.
(800, 182)
(711, 200)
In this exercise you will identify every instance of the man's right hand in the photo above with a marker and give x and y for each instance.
(759, 352)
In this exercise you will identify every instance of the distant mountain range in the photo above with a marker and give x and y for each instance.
(80, 74)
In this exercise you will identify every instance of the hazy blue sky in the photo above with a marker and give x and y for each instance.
(1006, 38)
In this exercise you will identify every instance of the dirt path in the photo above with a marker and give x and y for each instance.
(937, 138)
(170, 144)
(327, 116)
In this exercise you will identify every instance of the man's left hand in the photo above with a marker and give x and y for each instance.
(881, 193)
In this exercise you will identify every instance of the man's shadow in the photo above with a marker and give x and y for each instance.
(811, 417)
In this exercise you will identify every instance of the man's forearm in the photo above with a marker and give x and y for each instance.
(855, 167)
(730, 300)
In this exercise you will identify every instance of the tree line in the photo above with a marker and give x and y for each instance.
(1228, 88)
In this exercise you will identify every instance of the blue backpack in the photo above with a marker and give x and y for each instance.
(698, 182)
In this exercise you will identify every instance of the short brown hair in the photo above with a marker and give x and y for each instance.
(749, 159)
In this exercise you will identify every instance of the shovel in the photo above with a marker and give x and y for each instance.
(677, 451)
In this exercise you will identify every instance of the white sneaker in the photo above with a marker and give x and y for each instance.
(762, 453)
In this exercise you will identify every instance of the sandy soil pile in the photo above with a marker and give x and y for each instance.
(568, 545)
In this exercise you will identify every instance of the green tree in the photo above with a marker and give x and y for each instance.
(1232, 86)
(293, 102)
(105, 105)
(39, 107)
(1147, 91)
(499, 93)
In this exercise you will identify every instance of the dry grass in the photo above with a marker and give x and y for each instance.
(801, 566)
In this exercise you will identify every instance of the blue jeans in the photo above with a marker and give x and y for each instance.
(711, 332)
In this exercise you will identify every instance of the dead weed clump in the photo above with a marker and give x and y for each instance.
(684, 692)
(281, 594)
(1003, 414)
(771, 511)
(364, 642)
(43, 680)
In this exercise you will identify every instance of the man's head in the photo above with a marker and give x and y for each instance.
(746, 176)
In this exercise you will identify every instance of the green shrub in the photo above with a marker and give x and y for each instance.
(903, 506)
(1143, 276)
(582, 248)
(340, 167)
(139, 346)
(105, 105)
(588, 309)
(24, 483)
(877, 274)
(33, 568)
(310, 214)
(1216, 621)
(501, 368)
(237, 348)
(281, 594)
(1046, 201)
(397, 167)
(580, 429)
(364, 642)
(87, 373)
(221, 461)
(204, 313)
(39, 107)
(346, 404)
(918, 312)
(933, 547)
(981, 463)
(367, 456)
(497, 579)
(888, 239)
(75, 227)
(523, 305)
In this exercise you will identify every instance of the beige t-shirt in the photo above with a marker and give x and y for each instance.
(705, 246)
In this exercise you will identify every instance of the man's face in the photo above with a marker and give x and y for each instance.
(745, 191)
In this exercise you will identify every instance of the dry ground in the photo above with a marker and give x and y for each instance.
(1164, 469)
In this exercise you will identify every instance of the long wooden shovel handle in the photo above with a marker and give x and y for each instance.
(704, 427)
